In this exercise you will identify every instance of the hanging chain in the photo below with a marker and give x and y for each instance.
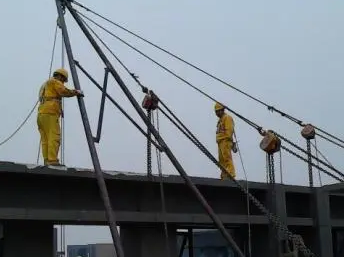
(271, 168)
(271, 217)
(314, 157)
(310, 171)
(162, 193)
(149, 146)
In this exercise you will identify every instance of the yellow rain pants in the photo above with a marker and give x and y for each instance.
(224, 135)
(49, 129)
(225, 158)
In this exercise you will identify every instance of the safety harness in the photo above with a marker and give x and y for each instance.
(43, 99)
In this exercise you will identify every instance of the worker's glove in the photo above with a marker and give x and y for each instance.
(79, 93)
(234, 147)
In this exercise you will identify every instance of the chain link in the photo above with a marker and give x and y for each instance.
(271, 163)
(310, 171)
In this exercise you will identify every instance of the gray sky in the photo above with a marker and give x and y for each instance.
(290, 54)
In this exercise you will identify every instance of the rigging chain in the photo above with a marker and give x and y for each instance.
(272, 218)
(144, 89)
(311, 155)
(269, 107)
(248, 121)
(162, 194)
(251, 123)
(191, 138)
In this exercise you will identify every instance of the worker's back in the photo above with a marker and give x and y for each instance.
(50, 103)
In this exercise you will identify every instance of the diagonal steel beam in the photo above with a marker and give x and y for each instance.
(93, 151)
(156, 134)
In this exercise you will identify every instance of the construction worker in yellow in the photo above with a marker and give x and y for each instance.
(224, 140)
(49, 112)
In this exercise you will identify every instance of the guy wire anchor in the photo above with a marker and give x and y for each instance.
(308, 132)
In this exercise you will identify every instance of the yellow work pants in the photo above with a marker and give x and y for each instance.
(225, 158)
(49, 129)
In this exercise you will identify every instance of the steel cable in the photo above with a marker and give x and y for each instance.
(269, 107)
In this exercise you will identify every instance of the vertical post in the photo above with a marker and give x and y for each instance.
(323, 223)
(162, 143)
(93, 151)
(191, 244)
(182, 247)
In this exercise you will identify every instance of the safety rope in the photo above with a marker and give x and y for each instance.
(63, 105)
(249, 233)
(269, 107)
(63, 228)
(272, 218)
(50, 71)
(161, 184)
(19, 127)
(34, 107)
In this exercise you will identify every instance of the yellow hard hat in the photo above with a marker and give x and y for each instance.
(218, 107)
(62, 72)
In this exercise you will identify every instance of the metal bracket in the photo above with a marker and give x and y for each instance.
(102, 107)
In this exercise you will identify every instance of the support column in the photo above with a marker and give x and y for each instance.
(28, 238)
(323, 222)
(278, 207)
(148, 241)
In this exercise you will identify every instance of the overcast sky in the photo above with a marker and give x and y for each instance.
(289, 54)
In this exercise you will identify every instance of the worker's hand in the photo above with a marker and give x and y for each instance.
(79, 93)
(234, 147)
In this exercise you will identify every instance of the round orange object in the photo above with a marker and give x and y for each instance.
(270, 143)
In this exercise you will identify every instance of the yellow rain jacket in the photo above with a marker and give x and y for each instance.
(51, 94)
(224, 139)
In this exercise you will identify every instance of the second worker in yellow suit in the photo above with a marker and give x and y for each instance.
(49, 112)
(224, 140)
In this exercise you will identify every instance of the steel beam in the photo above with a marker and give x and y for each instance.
(92, 148)
(162, 143)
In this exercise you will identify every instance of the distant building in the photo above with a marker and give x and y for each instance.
(91, 250)
(205, 243)
(208, 243)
